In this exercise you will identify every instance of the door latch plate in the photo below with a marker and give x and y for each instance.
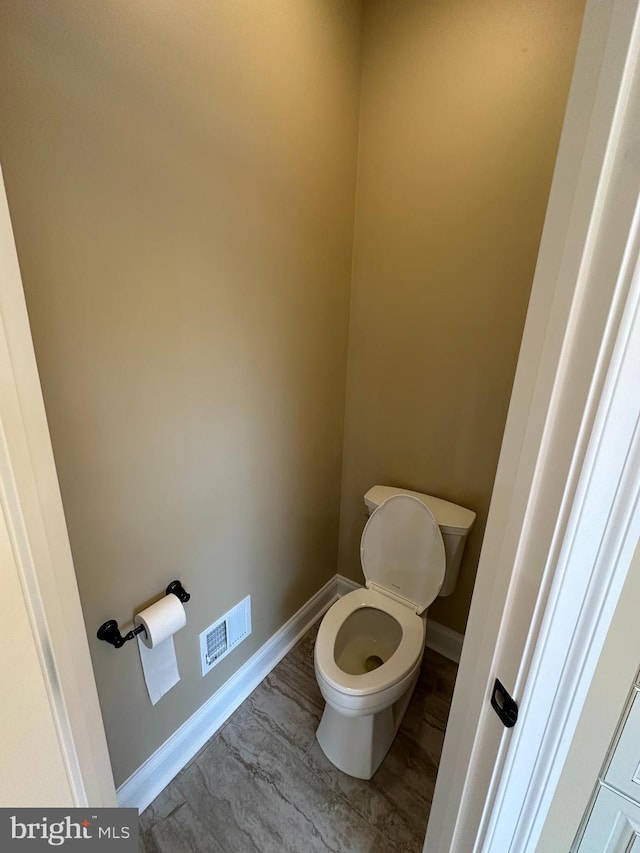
(504, 705)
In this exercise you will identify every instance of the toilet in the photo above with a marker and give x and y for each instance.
(370, 642)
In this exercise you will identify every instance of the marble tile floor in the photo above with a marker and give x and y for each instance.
(261, 784)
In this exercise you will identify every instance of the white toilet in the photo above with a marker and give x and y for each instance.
(370, 643)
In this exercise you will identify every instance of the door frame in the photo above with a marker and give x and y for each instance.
(32, 507)
(563, 521)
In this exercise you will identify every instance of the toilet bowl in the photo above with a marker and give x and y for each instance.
(370, 643)
(367, 645)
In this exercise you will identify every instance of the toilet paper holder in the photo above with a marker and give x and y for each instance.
(110, 633)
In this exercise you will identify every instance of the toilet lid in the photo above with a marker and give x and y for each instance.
(402, 551)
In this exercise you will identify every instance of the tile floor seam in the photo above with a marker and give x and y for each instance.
(348, 803)
(288, 746)
(345, 798)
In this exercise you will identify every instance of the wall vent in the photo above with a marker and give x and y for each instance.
(225, 634)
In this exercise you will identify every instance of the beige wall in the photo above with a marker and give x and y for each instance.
(461, 110)
(181, 181)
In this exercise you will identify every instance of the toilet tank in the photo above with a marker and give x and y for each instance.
(454, 521)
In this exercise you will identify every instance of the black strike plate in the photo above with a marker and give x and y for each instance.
(504, 705)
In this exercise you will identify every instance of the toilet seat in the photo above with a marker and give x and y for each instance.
(404, 658)
(403, 560)
(402, 551)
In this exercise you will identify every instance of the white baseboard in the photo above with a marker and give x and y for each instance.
(345, 585)
(143, 786)
(443, 640)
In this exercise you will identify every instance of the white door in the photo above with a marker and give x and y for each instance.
(564, 518)
(52, 740)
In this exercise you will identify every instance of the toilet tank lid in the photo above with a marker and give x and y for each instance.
(451, 518)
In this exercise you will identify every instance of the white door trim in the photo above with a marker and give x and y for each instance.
(559, 392)
(32, 507)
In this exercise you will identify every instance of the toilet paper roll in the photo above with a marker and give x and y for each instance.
(161, 620)
(155, 644)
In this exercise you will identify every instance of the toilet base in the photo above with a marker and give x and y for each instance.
(357, 745)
